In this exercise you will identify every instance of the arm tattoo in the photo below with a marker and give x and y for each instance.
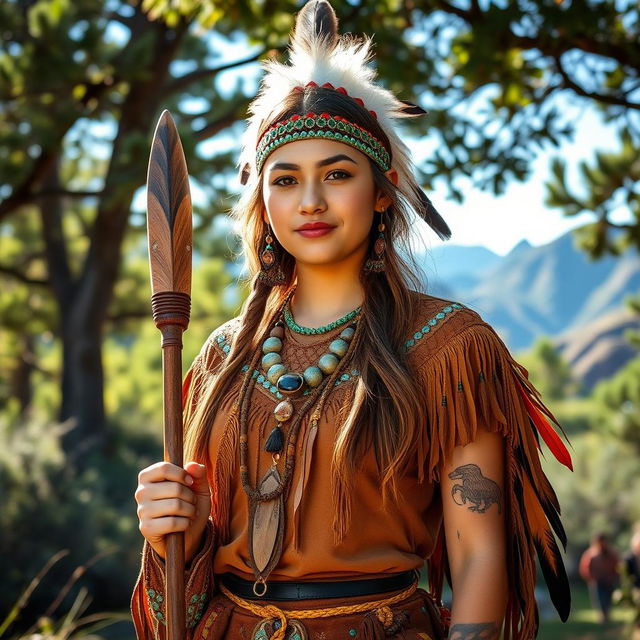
(481, 491)
(475, 631)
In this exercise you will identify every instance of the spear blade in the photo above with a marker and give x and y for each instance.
(169, 232)
(169, 211)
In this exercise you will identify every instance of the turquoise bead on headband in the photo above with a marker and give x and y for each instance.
(324, 125)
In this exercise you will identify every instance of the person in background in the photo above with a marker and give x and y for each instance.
(599, 569)
(631, 578)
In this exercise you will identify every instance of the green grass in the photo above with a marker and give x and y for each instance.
(583, 622)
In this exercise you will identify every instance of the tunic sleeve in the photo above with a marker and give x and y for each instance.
(148, 604)
(148, 601)
(471, 380)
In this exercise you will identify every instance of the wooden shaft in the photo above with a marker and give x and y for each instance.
(171, 315)
(171, 373)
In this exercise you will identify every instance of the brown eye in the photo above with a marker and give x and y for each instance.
(279, 180)
(341, 174)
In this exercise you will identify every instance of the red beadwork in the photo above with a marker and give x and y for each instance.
(311, 83)
(327, 85)
(342, 90)
(296, 117)
(374, 114)
(359, 101)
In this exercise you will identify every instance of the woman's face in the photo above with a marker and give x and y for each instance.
(327, 183)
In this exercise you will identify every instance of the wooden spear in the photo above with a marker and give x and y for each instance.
(169, 230)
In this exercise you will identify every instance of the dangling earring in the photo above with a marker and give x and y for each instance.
(271, 272)
(376, 263)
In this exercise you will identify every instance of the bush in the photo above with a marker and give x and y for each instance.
(49, 506)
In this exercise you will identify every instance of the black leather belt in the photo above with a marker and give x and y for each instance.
(280, 590)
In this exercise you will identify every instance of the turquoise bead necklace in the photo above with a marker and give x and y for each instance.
(312, 331)
(291, 383)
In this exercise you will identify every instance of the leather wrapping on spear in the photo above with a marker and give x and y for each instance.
(169, 230)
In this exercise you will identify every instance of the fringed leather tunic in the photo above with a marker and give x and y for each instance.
(470, 382)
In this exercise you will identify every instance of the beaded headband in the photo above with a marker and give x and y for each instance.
(325, 126)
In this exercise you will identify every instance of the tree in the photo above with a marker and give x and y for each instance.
(550, 373)
(66, 68)
(619, 405)
(82, 83)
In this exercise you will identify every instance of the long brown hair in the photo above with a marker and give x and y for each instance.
(387, 409)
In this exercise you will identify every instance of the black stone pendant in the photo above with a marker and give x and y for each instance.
(275, 441)
(290, 383)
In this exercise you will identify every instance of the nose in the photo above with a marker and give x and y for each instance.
(312, 200)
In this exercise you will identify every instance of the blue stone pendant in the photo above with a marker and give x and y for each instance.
(290, 383)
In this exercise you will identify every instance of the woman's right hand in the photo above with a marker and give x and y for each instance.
(172, 499)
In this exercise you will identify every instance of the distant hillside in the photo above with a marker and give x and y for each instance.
(534, 291)
(597, 350)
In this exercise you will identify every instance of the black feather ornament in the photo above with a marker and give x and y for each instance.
(432, 217)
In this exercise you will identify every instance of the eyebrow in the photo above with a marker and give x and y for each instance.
(322, 163)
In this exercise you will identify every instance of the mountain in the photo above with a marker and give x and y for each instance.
(534, 291)
(597, 350)
(450, 264)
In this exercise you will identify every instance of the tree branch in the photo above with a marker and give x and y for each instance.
(44, 193)
(181, 83)
(592, 95)
(51, 214)
(622, 54)
(135, 314)
(22, 195)
(456, 11)
(214, 127)
(18, 275)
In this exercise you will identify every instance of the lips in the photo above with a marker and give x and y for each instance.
(314, 225)
(314, 229)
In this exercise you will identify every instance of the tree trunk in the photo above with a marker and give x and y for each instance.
(83, 385)
(21, 385)
(83, 317)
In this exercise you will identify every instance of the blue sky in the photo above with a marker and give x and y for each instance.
(501, 222)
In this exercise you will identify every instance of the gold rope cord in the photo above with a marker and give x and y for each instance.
(271, 611)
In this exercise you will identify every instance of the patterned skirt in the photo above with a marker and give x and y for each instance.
(415, 618)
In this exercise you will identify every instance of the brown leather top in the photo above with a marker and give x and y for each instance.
(379, 540)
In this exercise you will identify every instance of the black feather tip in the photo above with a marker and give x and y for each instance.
(432, 217)
(316, 21)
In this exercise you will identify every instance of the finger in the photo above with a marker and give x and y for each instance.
(162, 471)
(169, 507)
(162, 526)
(164, 490)
(200, 481)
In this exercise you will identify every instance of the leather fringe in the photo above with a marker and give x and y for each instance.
(223, 470)
(486, 389)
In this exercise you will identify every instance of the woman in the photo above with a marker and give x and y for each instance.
(345, 427)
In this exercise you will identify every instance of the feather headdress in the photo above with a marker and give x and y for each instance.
(319, 55)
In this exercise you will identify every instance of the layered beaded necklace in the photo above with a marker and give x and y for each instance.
(290, 383)
(266, 501)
